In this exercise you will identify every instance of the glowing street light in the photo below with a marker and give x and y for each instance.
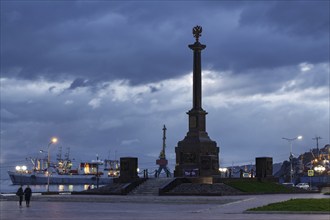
(223, 170)
(290, 140)
(319, 169)
(52, 141)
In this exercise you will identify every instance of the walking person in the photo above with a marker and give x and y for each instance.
(20, 194)
(28, 194)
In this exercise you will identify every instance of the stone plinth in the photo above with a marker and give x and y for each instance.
(264, 167)
(196, 156)
(128, 169)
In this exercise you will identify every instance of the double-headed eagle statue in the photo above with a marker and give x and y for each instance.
(197, 30)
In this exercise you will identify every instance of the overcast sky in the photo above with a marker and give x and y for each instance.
(105, 76)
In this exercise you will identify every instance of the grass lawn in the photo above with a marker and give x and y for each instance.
(297, 205)
(259, 187)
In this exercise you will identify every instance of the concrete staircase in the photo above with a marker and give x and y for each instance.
(150, 187)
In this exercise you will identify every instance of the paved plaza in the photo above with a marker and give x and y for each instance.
(83, 207)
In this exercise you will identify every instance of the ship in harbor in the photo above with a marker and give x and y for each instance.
(62, 172)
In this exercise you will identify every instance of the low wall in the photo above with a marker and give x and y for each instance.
(266, 179)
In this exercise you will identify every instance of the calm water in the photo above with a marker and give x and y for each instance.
(7, 187)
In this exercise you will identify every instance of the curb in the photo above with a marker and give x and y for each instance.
(287, 212)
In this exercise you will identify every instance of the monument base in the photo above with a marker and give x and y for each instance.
(196, 157)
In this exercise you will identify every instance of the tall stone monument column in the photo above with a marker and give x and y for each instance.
(197, 154)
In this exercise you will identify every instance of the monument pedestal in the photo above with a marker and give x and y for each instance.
(196, 154)
(195, 157)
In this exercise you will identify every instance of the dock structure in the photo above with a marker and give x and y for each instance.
(162, 161)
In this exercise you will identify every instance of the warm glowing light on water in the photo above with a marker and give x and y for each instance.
(60, 188)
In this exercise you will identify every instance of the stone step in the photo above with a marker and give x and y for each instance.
(151, 186)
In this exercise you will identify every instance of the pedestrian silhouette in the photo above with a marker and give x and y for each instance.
(20, 194)
(28, 194)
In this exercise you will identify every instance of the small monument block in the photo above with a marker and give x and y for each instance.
(128, 169)
(264, 167)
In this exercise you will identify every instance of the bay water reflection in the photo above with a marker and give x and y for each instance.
(6, 187)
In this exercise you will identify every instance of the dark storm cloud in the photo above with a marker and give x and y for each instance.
(302, 18)
(100, 44)
(147, 41)
(275, 34)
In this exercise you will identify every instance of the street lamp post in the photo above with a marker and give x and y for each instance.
(97, 171)
(290, 140)
(52, 141)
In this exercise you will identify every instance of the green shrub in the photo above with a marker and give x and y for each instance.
(259, 187)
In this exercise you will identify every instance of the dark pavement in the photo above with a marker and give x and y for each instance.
(150, 207)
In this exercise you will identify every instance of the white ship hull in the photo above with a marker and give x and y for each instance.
(56, 179)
